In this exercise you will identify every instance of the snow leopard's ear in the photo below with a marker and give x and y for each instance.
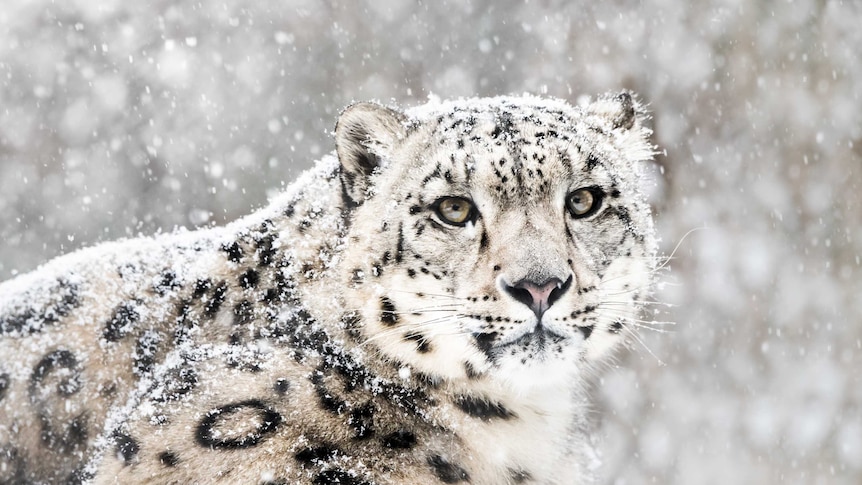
(626, 118)
(621, 111)
(364, 136)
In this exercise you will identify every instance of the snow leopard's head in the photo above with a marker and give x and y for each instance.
(502, 238)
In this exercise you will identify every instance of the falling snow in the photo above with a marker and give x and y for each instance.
(121, 118)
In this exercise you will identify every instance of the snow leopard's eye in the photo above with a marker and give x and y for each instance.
(584, 202)
(457, 211)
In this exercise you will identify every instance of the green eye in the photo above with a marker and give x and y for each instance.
(457, 211)
(584, 202)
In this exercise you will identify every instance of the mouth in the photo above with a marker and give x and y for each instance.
(539, 338)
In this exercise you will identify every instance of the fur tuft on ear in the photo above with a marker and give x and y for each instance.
(364, 133)
(625, 118)
(620, 111)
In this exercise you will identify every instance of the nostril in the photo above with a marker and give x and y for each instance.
(521, 294)
(559, 290)
(539, 297)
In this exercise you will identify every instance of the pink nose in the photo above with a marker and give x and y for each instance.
(539, 297)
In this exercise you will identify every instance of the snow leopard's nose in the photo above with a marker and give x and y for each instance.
(538, 296)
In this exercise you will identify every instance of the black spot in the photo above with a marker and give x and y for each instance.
(267, 422)
(482, 408)
(121, 322)
(243, 312)
(178, 382)
(281, 386)
(201, 287)
(168, 458)
(317, 454)
(126, 447)
(422, 344)
(447, 472)
(471, 371)
(411, 272)
(249, 279)
(483, 241)
(587, 330)
(59, 358)
(327, 399)
(485, 342)
(388, 313)
(144, 358)
(234, 252)
(4, 385)
(69, 439)
(265, 250)
(212, 306)
(399, 440)
(519, 476)
(362, 421)
(399, 247)
(616, 327)
(337, 477)
(167, 281)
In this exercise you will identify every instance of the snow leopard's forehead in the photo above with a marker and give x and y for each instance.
(521, 149)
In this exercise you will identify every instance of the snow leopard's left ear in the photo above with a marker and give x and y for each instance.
(626, 118)
(621, 111)
(364, 136)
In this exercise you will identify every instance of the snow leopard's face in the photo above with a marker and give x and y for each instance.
(501, 240)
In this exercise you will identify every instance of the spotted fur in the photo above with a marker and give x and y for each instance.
(353, 331)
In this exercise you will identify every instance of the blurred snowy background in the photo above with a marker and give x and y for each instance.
(119, 118)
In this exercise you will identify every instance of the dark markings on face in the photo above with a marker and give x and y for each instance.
(399, 246)
(183, 322)
(483, 409)
(586, 310)
(433, 175)
(121, 322)
(168, 458)
(423, 346)
(341, 477)
(388, 312)
(587, 330)
(211, 307)
(485, 343)
(126, 447)
(256, 419)
(616, 327)
(399, 440)
(233, 250)
(446, 471)
(483, 241)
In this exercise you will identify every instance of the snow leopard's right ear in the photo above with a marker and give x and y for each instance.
(364, 136)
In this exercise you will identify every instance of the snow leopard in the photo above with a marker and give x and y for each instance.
(427, 304)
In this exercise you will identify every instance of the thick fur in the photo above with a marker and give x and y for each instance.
(348, 333)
